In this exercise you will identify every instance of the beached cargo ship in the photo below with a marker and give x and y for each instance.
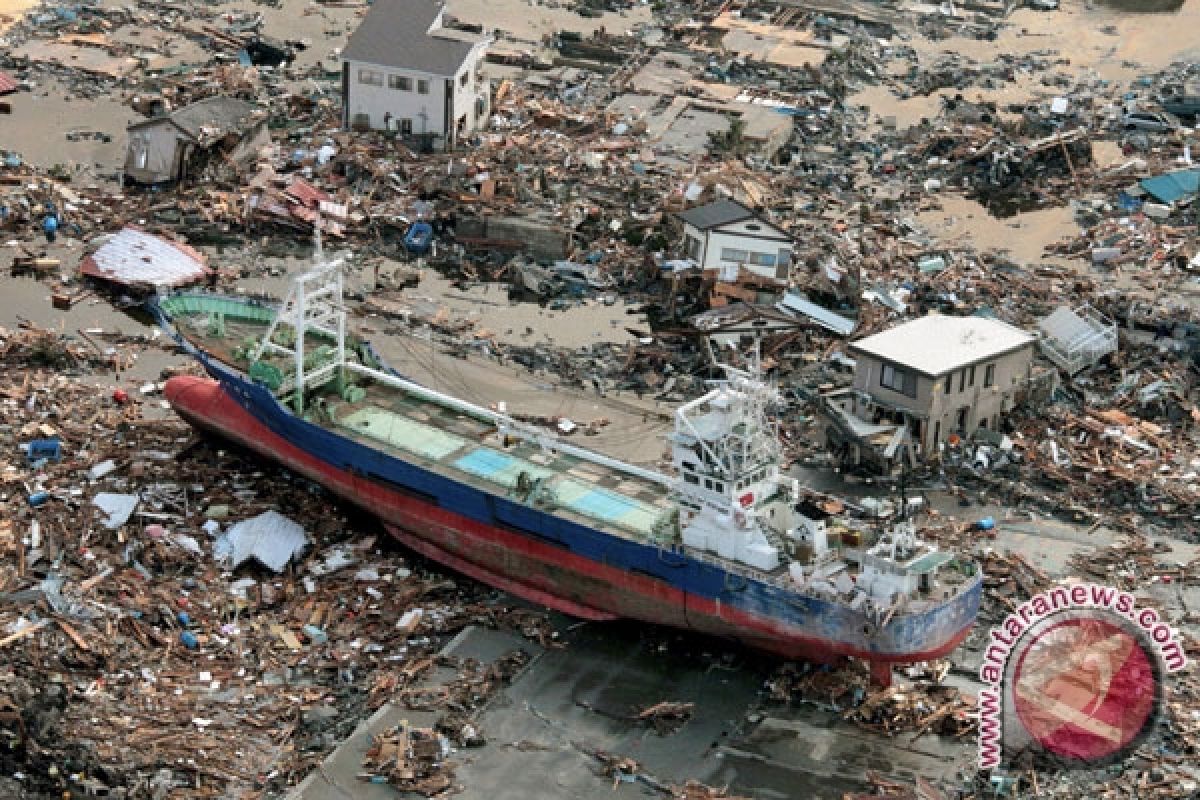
(726, 545)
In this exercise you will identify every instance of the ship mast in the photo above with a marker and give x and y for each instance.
(314, 304)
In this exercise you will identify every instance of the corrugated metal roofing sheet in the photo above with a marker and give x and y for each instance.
(822, 316)
(270, 538)
(8, 83)
(136, 258)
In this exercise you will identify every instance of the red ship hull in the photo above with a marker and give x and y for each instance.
(537, 572)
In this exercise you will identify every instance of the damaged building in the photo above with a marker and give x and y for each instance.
(928, 382)
(171, 147)
(726, 235)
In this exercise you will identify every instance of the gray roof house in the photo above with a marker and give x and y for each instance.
(170, 147)
(715, 214)
(404, 71)
(728, 236)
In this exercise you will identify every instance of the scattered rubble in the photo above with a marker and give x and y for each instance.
(133, 657)
(666, 717)
(160, 599)
(923, 706)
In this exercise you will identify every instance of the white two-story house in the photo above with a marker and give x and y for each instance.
(403, 71)
(727, 234)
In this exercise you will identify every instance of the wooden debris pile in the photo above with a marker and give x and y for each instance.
(919, 709)
(619, 768)
(695, 790)
(623, 769)
(824, 686)
(410, 759)
(1133, 563)
(475, 685)
(882, 787)
(666, 717)
(33, 347)
(1008, 581)
(919, 706)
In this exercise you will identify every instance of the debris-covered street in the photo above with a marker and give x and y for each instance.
(586, 375)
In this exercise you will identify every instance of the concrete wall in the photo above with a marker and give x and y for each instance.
(939, 401)
(543, 241)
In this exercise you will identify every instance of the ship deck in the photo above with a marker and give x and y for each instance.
(472, 451)
(440, 438)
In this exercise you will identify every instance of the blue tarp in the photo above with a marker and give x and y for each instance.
(1171, 187)
(1128, 202)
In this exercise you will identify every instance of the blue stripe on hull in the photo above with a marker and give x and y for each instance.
(808, 616)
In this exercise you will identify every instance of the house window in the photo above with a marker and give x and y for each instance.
(989, 376)
(406, 127)
(462, 79)
(401, 82)
(970, 376)
(898, 380)
(370, 77)
(762, 259)
(962, 381)
(693, 248)
(422, 86)
(142, 151)
(730, 254)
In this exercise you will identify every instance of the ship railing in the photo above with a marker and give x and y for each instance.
(781, 579)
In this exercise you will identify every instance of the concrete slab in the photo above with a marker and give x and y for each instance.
(571, 702)
(338, 774)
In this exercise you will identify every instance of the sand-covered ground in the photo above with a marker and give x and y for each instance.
(11, 11)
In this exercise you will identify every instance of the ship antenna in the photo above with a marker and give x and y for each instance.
(758, 324)
(318, 249)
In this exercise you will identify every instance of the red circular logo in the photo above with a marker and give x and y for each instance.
(1085, 687)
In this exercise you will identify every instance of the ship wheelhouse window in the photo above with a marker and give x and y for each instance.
(707, 483)
(690, 477)
(720, 487)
